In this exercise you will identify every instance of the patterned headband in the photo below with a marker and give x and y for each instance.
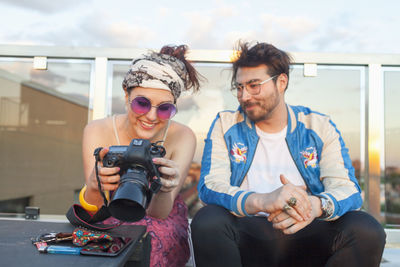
(157, 71)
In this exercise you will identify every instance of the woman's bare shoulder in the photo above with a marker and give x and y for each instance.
(99, 124)
(100, 129)
(180, 135)
(178, 129)
(180, 143)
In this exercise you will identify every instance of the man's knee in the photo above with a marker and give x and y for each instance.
(365, 229)
(372, 230)
(211, 218)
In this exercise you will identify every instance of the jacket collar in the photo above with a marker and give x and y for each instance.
(292, 121)
(249, 123)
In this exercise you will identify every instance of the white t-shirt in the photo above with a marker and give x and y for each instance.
(272, 158)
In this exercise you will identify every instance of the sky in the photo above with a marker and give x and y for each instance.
(339, 26)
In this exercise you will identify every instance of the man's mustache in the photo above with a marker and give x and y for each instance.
(250, 104)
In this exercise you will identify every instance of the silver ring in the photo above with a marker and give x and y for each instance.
(286, 207)
(292, 202)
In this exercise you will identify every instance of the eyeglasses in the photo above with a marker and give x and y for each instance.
(253, 88)
(142, 105)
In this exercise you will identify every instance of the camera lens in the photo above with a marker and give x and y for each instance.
(129, 201)
(127, 210)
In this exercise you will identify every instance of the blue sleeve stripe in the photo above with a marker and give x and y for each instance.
(244, 202)
(206, 195)
(233, 203)
(206, 159)
(212, 126)
(218, 198)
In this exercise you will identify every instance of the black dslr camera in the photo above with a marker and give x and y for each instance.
(140, 178)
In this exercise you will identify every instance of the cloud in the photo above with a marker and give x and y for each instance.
(231, 38)
(225, 11)
(350, 34)
(200, 32)
(286, 32)
(163, 11)
(217, 25)
(341, 33)
(282, 31)
(116, 34)
(206, 28)
(45, 6)
(89, 31)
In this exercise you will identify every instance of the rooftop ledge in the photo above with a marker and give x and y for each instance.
(202, 55)
(392, 238)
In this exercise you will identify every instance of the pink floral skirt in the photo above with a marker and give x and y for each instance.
(169, 237)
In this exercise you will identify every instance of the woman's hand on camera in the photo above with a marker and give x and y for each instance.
(169, 174)
(109, 177)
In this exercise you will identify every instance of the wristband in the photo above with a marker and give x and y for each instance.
(84, 204)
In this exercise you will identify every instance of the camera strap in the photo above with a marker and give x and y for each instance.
(96, 154)
(78, 216)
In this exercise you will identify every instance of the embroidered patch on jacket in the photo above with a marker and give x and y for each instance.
(238, 152)
(310, 157)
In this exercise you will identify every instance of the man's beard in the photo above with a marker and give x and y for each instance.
(266, 108)
(254, 115)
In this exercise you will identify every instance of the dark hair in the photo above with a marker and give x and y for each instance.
(192, 79)
(276, 60)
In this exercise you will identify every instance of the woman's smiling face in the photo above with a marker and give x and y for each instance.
(148, 125)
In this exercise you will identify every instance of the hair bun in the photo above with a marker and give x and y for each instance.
(177, 51)
(192, 79)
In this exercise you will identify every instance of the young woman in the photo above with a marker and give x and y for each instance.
(152, 86)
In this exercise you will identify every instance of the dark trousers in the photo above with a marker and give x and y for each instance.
(222, 239)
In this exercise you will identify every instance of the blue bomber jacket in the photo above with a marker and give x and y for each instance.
(314, 142)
